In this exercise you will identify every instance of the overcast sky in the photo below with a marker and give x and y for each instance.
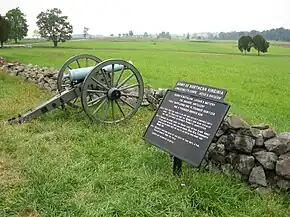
(154, 16)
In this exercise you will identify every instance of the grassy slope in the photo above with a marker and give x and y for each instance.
(258, 87)
(61, 165)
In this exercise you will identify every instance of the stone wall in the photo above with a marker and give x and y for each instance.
(44, 77)
(256, 154)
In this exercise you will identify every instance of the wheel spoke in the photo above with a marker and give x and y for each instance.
(78, 63)
(99, 83)
(106, 110)
(120, 108)
(96, 91)
(121, 73)
(101, 104)
(113, 110)
(87, 62)
(75, 100)
(112, 76)
(124, 101)
(96, 100)
(69, 67)
(129, 87)
(127, 79)
(129, 95)
(107, 82)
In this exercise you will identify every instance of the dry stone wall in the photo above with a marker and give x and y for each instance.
(256, 154)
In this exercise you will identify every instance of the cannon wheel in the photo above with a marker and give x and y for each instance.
(116, 99)
(74, 62)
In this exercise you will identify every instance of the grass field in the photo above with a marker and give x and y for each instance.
(61, 165)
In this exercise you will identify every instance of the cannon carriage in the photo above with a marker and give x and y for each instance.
(108, 91)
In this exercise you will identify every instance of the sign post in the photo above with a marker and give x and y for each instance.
(186, 121)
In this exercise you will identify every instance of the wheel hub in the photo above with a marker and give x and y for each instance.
(114, 94)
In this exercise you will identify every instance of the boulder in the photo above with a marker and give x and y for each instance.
(228, 141)
(279, 146)
(258, 176)
(217, 153)
(268, 133)
(255, 132)
(230, 157)
(284, 137)
(283, 166)
(244, 163)
(259, 141)
(236, 122)
(261, 126)
(266, 159)
(244, 144)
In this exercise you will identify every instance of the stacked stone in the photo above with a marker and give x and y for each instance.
(44, 77)
(252, 153)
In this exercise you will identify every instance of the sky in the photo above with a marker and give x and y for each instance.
(154, 16)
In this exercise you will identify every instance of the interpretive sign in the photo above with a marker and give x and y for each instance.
(185, 124)
(201, 90)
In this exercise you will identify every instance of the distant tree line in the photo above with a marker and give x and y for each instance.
(278, 34)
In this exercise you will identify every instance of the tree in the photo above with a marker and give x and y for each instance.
(36, 34)
(145, 35)
(260, 44)
(131, 33)
(4, 30)
(53, 26)
(86, 29)
(245, 43)
(18, 23)
(167, 35)
(187, 36)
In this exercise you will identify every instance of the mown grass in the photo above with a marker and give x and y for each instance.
(258, 87)
(217, 47)
(62, 165)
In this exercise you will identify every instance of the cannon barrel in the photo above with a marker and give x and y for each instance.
(81, 73)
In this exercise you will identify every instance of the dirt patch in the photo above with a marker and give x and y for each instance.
(283, 45)
(29, 213)
(9, 173)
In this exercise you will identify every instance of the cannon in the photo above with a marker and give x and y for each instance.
(108, 91)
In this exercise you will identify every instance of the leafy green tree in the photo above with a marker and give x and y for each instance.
(18, 23)
(4, 30)
(260, 44)
(86, 29)
(245, 43)
(53, 26)
(187, 36)
(145, 35)
(131, 33)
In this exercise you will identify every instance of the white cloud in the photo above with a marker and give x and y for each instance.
(153, 16)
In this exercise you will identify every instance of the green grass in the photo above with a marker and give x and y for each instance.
(258, 87)
(218, 47)
(62, 165)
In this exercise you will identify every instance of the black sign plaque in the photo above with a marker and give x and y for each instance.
(184, 125)
(201, 90)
